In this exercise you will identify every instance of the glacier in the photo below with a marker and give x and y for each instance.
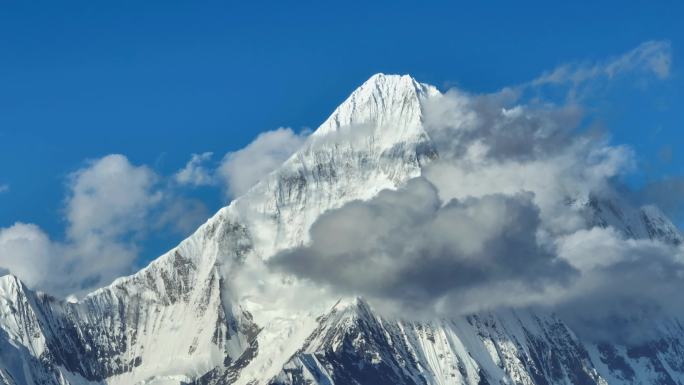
(182, 321)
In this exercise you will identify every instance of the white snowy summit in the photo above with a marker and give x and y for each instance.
(182, 320)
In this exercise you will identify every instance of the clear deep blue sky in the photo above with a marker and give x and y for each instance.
(157, 81)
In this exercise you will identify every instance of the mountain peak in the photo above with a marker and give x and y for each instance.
(381, 79)
(392, 104)
(9, 278)
(10, 285)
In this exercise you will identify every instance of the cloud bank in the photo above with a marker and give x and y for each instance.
(506, 217)
(411, 249)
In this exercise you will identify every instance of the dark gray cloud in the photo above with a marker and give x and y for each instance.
(494, 126)
(494, 147)
(500, 127)
(407, 247)
(499, 220)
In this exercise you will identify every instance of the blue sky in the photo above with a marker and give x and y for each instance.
(159, 81)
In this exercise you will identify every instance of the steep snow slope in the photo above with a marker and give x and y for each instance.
(352, 345)
(168, 321)
(372, 141)
(352, 156)
(180, 320)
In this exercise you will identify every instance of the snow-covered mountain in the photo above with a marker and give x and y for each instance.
(180, 320)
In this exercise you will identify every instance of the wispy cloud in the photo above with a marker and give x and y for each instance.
(241, 169)
(196, 172)
(4, 188)
(652, 57)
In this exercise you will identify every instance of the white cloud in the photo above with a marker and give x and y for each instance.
(504, 218)
(109, 198)
(495, 201)
(108, 205)
(496, 216)
(4, 188)
(241, 169)
(238, 171)
(28, 253)
(195, 173)
(653, 57)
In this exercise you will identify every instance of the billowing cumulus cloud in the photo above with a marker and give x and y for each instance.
(424, 255)
(111, 204)
(28, 252)
(241, 169)
(493, 144)
(506, 217)
(493, 126)
(109, 197)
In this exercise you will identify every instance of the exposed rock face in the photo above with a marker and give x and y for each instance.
(178, 320)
